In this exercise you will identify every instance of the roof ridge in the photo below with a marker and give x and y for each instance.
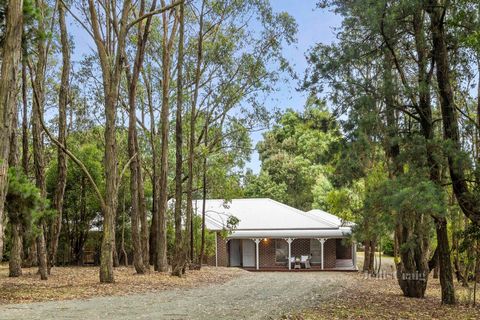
(343, 222)
(305, 214)
(228, 200)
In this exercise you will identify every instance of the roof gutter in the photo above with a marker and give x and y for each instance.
(315, 233)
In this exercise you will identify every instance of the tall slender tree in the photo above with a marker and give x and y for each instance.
(63, 98)
(38, 86)
(11, 55)
(179, 256)
(168, 36)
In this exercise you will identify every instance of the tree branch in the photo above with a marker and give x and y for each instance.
(154, 12)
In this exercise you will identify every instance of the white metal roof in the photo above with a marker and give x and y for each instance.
(267, 218)
(330, 217)
(291, 233)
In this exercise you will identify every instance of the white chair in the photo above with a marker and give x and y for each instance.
(292, 261)
(305, 260)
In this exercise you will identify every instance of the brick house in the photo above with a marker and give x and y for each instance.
(269, 234)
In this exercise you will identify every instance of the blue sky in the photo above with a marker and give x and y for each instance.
(314, 26)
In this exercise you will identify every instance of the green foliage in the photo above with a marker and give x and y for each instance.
(262, 186)
(209, 238)
(470, 236)
(296, 156)
(231, 225)
(388, 246)
(81, 207)
(345, 202)
(24, 204)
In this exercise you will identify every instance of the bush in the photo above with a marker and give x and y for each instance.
(387, 247)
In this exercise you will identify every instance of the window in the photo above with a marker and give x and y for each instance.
(281, 251)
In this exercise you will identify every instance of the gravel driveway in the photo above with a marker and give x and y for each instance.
(259, 295)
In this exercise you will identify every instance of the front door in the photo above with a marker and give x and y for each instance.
(248, 248)
(235, 257)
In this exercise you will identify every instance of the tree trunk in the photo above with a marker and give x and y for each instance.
(32, 257)
(139, 215)
(62, 137)
(31, 254)
(426, 122)
(13, 152)
(122, 243)
(179, 257)
(468, 202)
(15, 262)
(116, 259)
(155, 178)
(134, 212)
(134, 217)
(11, 53)
(366, 259)
(155, 209)
(373, 249)
(204, 196)
(142, 207)
(162, 262)
(38, 86)
(412, 272)
(444, 262)
(24, 119)
(112, 64)
(476, 278)
(110, 206)
(478, 114)
(191, 146)
(164, 121)
(42, 254)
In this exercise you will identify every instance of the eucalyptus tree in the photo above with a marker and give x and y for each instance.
(138, 205)
(38, 78)
(63, 97)
(168, 36)
(179, 256)
(11, 56)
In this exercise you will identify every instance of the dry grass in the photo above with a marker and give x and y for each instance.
(382, 299)
(82, 282)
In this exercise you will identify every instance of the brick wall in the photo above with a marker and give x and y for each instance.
(266, 250)
(330, 256)
(222, 252)
(300, 247)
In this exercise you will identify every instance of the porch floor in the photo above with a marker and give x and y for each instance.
(343, 265)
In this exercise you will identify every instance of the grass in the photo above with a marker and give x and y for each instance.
(67, 283)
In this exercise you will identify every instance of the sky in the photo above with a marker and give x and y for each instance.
(314, 26)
